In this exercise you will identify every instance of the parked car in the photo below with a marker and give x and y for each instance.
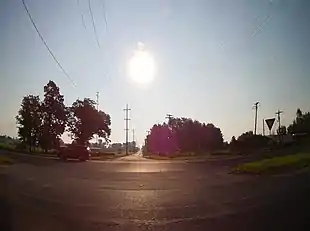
(73, 151)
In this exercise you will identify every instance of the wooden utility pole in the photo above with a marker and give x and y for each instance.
(97, 104)
(169, 117)
(278, 113)
(97, 100)
(255, 123)
(126, 129)
(133, 140)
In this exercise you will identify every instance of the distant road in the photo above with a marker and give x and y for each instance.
(149, 195)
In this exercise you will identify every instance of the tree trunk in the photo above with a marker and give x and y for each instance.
(30, 141)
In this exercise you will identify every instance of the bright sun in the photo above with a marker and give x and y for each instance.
(141, 66)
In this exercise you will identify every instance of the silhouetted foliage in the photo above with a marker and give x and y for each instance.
(29, 120)
(184, 135)
(54, 117)
(42, 123)
(85, 121)
(162, 139)
(301, 124)
(249, 141)
(246, 136)
(233, 143)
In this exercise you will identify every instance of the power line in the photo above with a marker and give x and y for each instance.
(94, 26)
(105, 15)
(49, 50)
(81, 13)
(260, 27)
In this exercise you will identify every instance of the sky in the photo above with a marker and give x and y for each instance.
(214, 59)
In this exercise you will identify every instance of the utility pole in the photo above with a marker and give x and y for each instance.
(97, 102)
(278, 113)
(263, 127)
(169, 117)
(133, 139)
(126, 129)
(256, 108)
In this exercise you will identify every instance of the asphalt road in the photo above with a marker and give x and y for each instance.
(136, 194)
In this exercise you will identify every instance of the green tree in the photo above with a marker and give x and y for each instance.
(29, 121)
(233, 143)
(85, 121)
(301, 124)
(54, 117)
(185, 135)
(298, 113)
(249, 141)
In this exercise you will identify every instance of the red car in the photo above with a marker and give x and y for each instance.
(80, 152)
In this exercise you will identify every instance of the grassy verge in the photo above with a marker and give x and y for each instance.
(8, 147)
(5, 161)
(215, 155)
(279, 164)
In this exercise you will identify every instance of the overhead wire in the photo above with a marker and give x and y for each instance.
(105, 15)
(45, 43)
(107, 28)
(81, 13)
(94, 26)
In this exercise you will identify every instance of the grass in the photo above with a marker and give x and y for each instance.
(279, 164)
(5, 161)
(8, 147)
(215, 155)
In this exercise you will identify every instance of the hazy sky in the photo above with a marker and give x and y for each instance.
(214, 59)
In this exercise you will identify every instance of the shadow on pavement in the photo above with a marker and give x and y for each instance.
(5, 213)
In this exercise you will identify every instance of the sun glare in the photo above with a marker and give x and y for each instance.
(141, 66)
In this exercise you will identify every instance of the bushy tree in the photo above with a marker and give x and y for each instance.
(233, 143)
(184, 135)
(29, 120)
(85, 121)
(161, 139)
(301, 124)
(249, 141)
(54, 117)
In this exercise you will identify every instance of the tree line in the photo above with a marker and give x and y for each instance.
(183, 135)
(41, 123)
(187, 135)
(299, 126)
